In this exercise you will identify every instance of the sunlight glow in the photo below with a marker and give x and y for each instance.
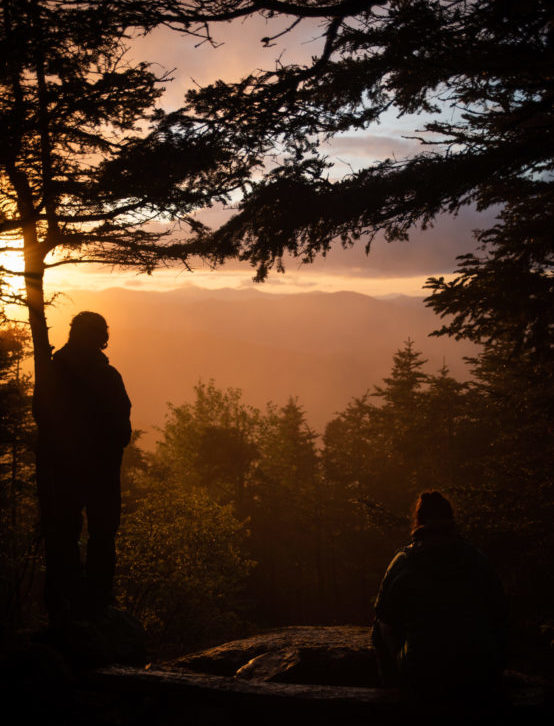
(12, 261)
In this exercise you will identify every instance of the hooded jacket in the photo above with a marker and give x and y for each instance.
(84, 407)
(446, 607)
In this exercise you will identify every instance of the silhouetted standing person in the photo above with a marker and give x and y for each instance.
(83, 417)
(441, 610)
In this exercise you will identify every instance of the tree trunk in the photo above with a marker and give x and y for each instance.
(34, 279)
(34, 253)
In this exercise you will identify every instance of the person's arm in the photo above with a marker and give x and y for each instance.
(120, 410)
(387, 634)
(385, 645)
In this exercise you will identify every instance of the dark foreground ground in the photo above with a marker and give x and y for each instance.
(304, 674)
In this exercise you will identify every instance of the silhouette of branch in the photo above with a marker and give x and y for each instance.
(267, 41)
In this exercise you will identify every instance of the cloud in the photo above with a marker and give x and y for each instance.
(368, 147)
(428, 252)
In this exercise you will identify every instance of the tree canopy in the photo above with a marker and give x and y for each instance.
(479, 73)
(93, 169)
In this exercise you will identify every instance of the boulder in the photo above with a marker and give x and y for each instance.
(331, 655)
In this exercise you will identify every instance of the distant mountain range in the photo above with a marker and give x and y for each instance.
(323, 348)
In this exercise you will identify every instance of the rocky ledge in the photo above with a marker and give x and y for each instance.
(322, 673)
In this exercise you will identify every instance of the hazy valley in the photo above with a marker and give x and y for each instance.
(323, 348)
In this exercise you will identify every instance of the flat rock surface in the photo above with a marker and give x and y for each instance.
(330, 655)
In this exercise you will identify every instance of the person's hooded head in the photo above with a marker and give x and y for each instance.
(433, 511)
(88, 332)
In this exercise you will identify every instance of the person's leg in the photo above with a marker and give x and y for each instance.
(61, 522)
(103, 515)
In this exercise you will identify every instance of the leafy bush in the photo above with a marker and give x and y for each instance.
(180, 566)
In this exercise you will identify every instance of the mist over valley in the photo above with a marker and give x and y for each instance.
(323, 348)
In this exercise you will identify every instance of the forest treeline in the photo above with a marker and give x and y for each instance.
(244, 518)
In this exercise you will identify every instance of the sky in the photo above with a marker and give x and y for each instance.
(397, 268)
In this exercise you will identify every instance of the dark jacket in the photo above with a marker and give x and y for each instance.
(83, 408)
(446, 607)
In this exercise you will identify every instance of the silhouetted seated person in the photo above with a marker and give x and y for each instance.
(441, 610)
(83, 414)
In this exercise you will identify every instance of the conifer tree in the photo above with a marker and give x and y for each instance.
(406, 378)
(480, 72)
